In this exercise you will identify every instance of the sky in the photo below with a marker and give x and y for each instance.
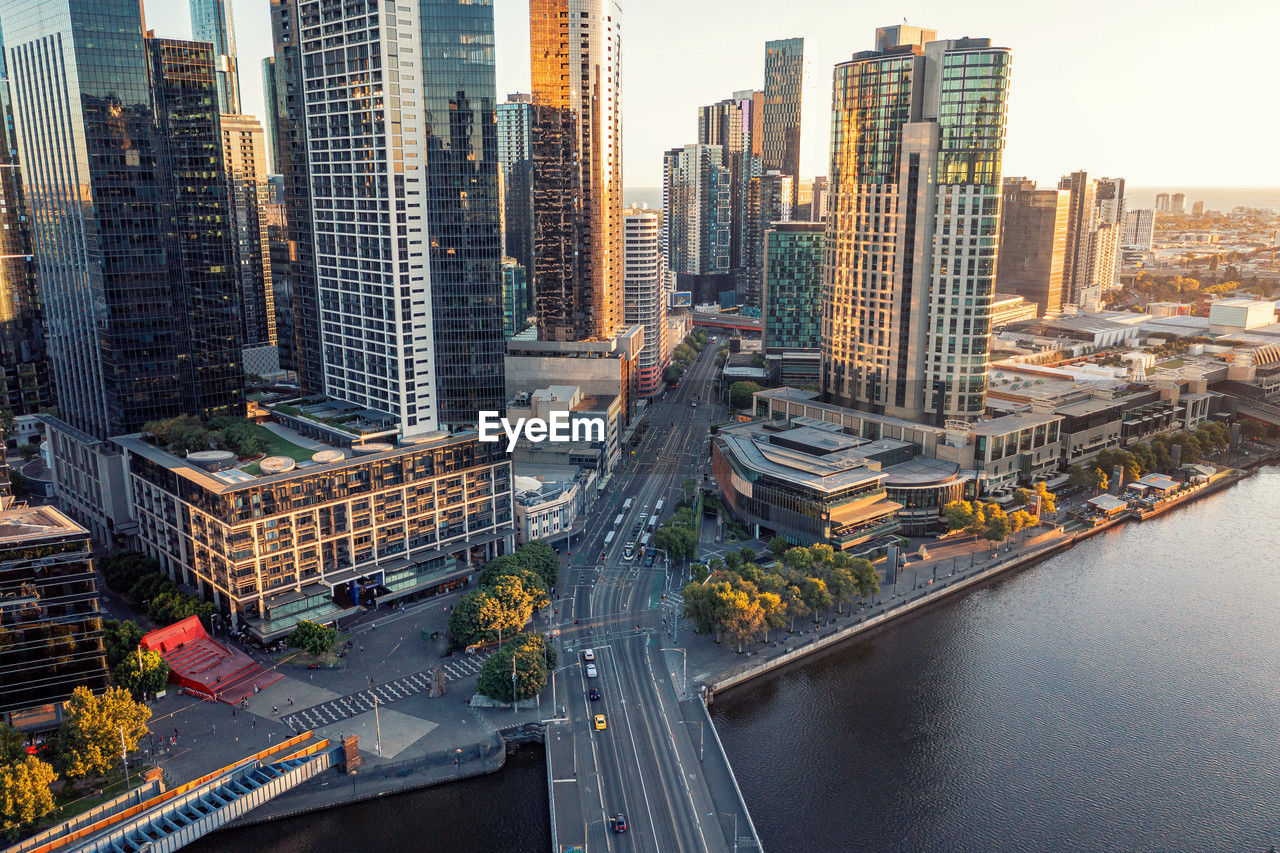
(1160, 92)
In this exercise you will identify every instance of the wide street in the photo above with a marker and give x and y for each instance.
(644, 764)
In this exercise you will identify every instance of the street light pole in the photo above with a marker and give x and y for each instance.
(377, 722)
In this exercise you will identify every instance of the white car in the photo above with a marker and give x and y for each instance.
(591, 670)
(588, 654)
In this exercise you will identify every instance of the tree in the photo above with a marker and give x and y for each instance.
(312, 638)
(13, 746)
(740, 394)
(733, 561)
(120, 639)
(1021, 520)
(742, 617)
(748, 554)
(958, 514)
(542, 558)
(977, 520)
(145, 673)
(778, 546)
(679, 541)
(1080, 477)
(24, 794)
(865, 576)
(998, 525)
(1048, 503)
(798, 559)
(775, 612)
(93, 727)
(816, 595)
(498, 566)
(793, 600)
(533, 660)
(492, 612)
(1100, 481)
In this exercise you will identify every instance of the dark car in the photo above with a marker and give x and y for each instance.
(594, 694)
(619, 823)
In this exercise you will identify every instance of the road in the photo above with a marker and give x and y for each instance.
(644, 764)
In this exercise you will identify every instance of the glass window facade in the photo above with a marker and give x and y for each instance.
(793, 286)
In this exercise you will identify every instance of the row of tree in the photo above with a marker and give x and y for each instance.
(740, 601)
(511, 588)
(990, 520)
(684, 354)
(678, 535)
(138, 577)
(87, 749)
(1141, 458)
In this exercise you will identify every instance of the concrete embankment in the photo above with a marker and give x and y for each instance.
(766, 663)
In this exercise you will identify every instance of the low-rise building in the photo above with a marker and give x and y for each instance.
(552, 505)
(1240, 314)
(50, 622)
(323, 532)
(596, 449)
(600, 368)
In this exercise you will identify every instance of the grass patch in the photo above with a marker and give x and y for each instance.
(277, 446)
(1171, 364)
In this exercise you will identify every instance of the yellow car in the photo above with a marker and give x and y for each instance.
(600, 724)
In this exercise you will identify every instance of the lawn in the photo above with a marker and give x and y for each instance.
(278, 446)
(1171, 364)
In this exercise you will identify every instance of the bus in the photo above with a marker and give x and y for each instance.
(657, 508)
(626, 505)
(617, 520)
(629, 551)
(608, 537)
(653, 522)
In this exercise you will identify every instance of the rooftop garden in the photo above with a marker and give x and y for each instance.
(188, 434)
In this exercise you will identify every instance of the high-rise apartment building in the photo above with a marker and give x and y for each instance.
(1197, 209)
(1179, 203)
(1095, 232)
(1076, 275)
(780, 119)
(24, 365)
(697, 209)
(645, 295)
(211, 22)
(1162, 202)
(918, 130)
(515, 163)
(768, 201)
(270, 98)
(133, 250)
(576, 53)
(1139, 228)
(244, 157)
(792, 309)
(730, 124)
(1033, 243)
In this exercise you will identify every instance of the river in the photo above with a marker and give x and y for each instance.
(1124, 695)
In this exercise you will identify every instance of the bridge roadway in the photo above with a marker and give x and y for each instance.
(645, 764)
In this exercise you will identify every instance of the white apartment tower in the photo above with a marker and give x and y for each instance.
(644, 294)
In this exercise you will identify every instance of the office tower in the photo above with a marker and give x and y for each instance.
(291, 164)
(645, 295)
(375, 288)
(52, 626)
(133, 250)
(1197, 209)
(780, 119)
(211, 22)
(768, 201)
(1033, 243)
(913, 223)
(575, 52)
(24, 380)
(245, 161)
(270, 98)
(1179, 203)
(274, 219)
(1139, 229)
(515, 298)
(729, 124)
(464, 209)
(697, 209)
(515, 163)
(1162, 202)
(1095, 232)
(792, 308)
(1076, 275)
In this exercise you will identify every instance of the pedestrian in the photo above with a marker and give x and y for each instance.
(312, 676)
(362, 649)
(290, 701)
(275, 711)
(255, 723)
(233, 712)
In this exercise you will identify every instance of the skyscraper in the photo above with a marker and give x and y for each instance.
(646, 295)
(515, 162)
(917, 139)
(244, 157)
(1139, 228)
(696, 207)
(1033, 243)
(575, 52)
(270, 97)
(464, 208)
(211, 22)
(24, 365)
(1178, 202)
(1095, 232)
(792, 298)
(780, 119)
(729, 124)
(768, 201)
(515, 298)
(133, 249)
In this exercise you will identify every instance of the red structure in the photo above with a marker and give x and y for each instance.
(203, 666)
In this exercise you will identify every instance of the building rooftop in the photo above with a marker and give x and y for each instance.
(1012, 423)
(26, 524)
(836, 469)
(922, 471)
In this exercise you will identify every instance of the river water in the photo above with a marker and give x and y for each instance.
(1124, 695)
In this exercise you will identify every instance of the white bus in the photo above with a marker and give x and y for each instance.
(608, 537)
(657, 508)
(617, 520)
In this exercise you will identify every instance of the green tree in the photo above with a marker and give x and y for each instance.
(143, 673)
(312, 638)
(24, 794)
(120, 639)
(778, 546)
(13, 746)
(958, 514)
(977, 520)
(816, 595)
(532, 662)
(678, 541)
(733, 561)
(740, 394)
(89, 741)
(998, 526)
(866, 577)
(542, 558)
(793, 601)
(497, 566)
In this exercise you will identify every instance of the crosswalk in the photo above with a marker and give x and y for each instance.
(345, 707)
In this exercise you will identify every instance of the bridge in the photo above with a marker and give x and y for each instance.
(728, 321)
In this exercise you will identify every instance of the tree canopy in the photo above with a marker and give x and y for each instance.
(143, 673)
(312, 638)
(24, 793)
(533, 659)
(89, 742)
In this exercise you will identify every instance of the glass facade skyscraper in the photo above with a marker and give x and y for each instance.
(515, 161)
(793, 286)
(463, 216)
(128, 215)
(576, 56)
(211, 22)
(645, 296)
(913, 225)
(697, 209)
(780, 114)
